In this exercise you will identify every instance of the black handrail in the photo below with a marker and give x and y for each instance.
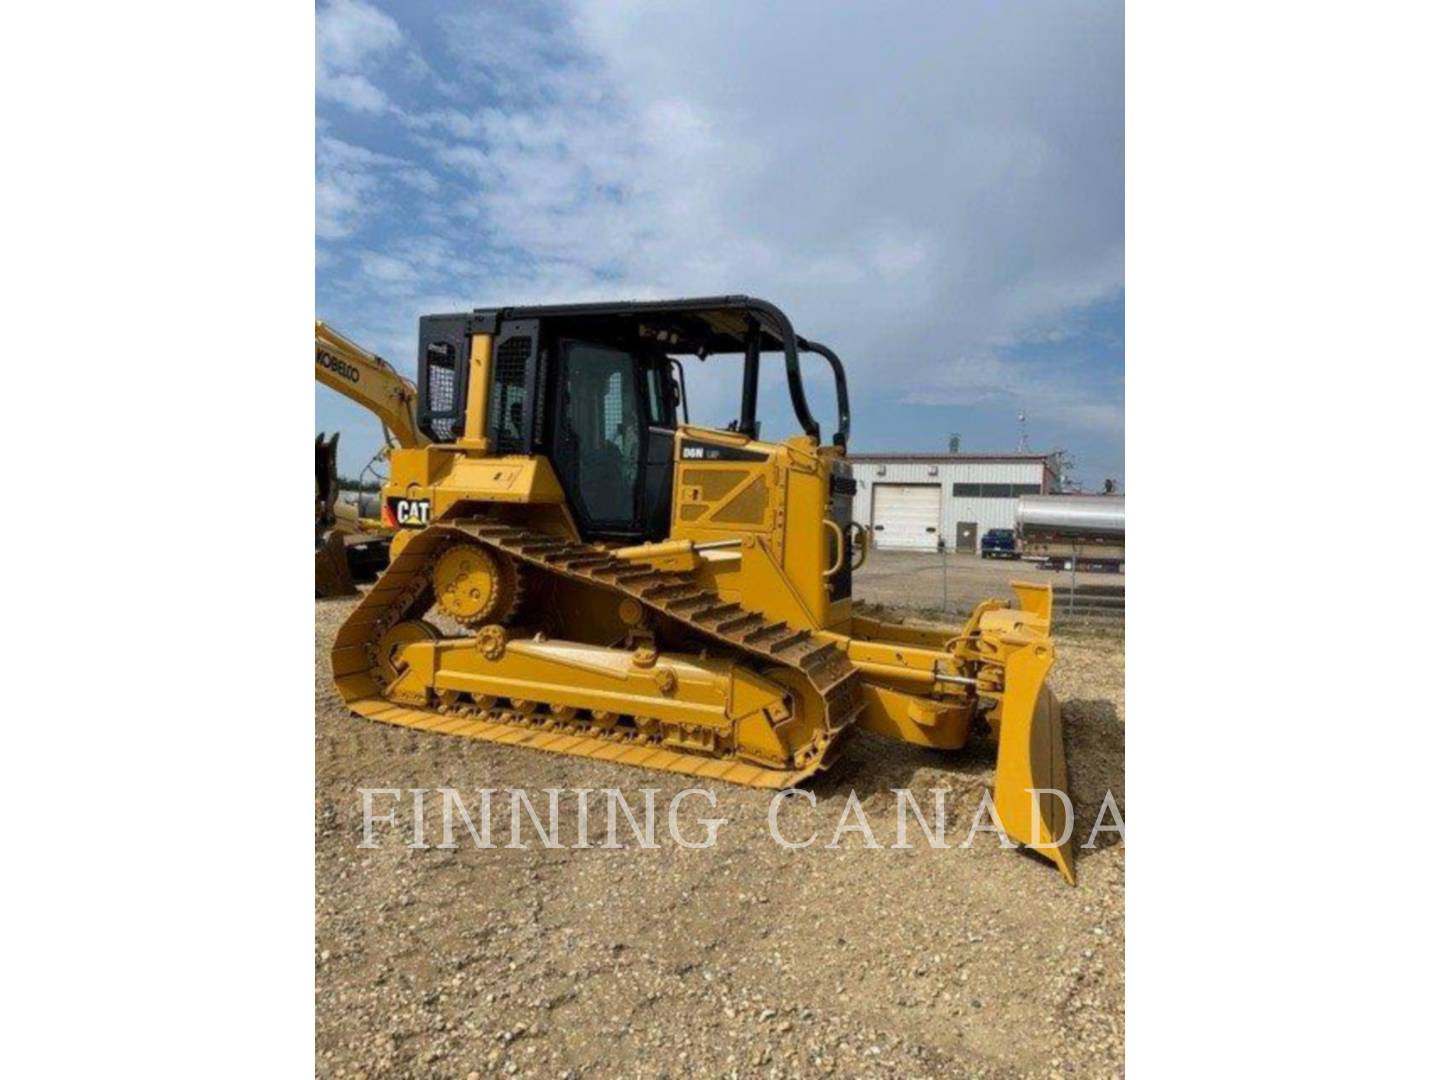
(679, 382)
(750, 383)
(792, 366)
(842, 391)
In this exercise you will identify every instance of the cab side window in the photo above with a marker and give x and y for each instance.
(655, 380)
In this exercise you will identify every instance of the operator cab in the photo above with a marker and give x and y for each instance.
(598, 390)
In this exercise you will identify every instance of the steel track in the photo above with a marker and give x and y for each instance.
(403, 593)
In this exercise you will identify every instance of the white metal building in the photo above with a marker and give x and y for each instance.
(910, 501)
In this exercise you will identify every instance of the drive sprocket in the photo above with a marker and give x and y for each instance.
(475, 585)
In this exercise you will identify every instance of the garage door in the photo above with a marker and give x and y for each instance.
(907, 516)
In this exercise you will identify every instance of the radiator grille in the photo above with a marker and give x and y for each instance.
(747, 508)
(714, 484)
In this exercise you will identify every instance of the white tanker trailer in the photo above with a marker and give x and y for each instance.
(1072, 531)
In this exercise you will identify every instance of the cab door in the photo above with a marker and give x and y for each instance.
(598, 449)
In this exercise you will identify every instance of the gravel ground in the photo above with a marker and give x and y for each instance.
(743, 959)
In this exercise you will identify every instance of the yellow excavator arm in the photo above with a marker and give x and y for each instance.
(365, 378)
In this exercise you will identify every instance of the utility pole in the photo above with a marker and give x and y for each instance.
(944, 578)
(1066, 465)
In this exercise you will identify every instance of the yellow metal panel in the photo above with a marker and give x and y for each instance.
(806, 556)
(477, 396)
(914, 719)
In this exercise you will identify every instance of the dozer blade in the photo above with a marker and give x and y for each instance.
(1007, 652)
(1030, 769)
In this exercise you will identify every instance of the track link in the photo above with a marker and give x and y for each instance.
(403, 593)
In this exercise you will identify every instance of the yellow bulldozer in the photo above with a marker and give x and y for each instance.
(620, 584)
(349, 548)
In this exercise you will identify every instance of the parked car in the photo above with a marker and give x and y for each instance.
(999, 544)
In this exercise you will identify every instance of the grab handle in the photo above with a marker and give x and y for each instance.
(839, 548)
(860, 543)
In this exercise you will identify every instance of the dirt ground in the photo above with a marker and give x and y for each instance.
(743, 959)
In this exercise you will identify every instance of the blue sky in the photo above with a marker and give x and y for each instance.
(938, 197)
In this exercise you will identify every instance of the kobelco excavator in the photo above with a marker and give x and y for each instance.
(623, 585)
(346, 548)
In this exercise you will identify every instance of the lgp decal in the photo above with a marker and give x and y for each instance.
(697, 451)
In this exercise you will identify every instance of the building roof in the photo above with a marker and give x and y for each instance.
(946, 459)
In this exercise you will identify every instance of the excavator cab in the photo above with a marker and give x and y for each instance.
(637, 588)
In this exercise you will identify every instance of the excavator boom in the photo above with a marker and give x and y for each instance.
(369, 381)
(341, 556)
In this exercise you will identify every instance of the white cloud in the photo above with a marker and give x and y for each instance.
(453, 122)
(514, 54)
(349, 33)
(353, 91)
(1046, 394)
(964, 187)
(350, 180)
(387, 268)
(349, 37)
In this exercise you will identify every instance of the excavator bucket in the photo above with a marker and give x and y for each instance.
(332, 569)
(1031, 790)
(332, 566)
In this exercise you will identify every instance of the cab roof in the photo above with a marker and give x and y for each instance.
(703, 326)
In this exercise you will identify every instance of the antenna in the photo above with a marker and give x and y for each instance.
(1065, 464)
(1024, 435)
